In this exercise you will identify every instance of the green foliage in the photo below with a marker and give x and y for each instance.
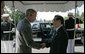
(65, 17)
(15, 15)
(18, 15)
(81, 17)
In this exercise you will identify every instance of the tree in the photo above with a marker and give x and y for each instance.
(82, 16)
(65, 17)
(18, 15)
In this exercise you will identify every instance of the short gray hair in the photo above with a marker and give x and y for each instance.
(29, 12)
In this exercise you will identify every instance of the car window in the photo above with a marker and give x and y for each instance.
(35, 26)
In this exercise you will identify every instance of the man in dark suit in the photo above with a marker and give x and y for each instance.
(24, 39)
(58, 42)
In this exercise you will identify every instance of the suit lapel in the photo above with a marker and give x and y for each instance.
(57, 32)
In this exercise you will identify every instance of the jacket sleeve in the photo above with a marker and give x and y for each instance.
(26, 32)
(49, 41)
(48, 45)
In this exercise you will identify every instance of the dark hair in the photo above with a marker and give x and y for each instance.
(29, 12)
(58, 17)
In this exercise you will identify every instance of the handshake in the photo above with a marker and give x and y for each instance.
(43, 45)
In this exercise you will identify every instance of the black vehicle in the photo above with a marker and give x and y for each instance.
(41, 31)
(79, 37)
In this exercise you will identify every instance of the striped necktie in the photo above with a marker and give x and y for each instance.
(54, 33)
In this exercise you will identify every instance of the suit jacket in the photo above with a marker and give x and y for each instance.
(24, 39)
(59, 41)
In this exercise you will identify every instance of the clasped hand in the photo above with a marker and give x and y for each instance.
(43, 45)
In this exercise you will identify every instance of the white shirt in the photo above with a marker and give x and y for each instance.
(58, 27)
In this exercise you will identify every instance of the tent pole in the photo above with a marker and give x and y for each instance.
(13, 6)
(13, 12)
(75, 24)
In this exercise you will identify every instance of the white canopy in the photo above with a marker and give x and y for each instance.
(44, 5)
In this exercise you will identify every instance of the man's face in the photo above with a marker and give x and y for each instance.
(6, 18)
(70, 16)
(33, 17)
(56, 23)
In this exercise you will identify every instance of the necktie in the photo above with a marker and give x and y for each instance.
(54, 33)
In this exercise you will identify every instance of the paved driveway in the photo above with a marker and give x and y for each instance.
(7, 47)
